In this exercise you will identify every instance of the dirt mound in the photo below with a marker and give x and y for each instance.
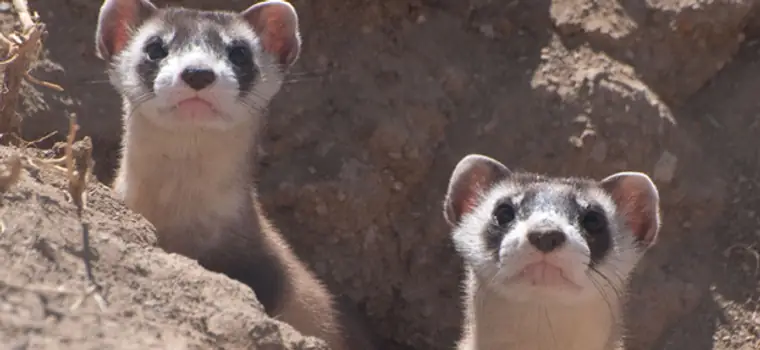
(146, 298)
(387, 97)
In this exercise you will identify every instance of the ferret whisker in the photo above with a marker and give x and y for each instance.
(592, 270)
(538, 321)
(302, 80)
(614, 286)
(604, 295)
(489, 284)
(138, 101)
(252, 107)
(301, 71)
(551, 328)
(257, 95)
(316, 73)
(480, 302)
(97, 81)
(619, 278)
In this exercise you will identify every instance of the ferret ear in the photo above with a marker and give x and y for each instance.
(276, 24)
(638, 201)
(116, 20)
(471, 177)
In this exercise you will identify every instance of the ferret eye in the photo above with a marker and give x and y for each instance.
(156, 49)
(504, 214)
(239, 55)
(593, 221)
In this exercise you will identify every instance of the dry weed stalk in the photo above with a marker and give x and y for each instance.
(22, 51)
(9, 177)
(11, 173)
(79, 164)
(76, 164)
(78, 161)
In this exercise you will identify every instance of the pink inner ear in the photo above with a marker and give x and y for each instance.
(461, 201)
(277, 27)
(115, 19)
(469, 202)
(277, 39)
(636, 208)
(472, 175)
(120, 33)
(637, 214)
(471, 194)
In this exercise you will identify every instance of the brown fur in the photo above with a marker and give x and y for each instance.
(203, 205)
(193, 182)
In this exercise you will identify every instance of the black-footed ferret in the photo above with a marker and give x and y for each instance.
(547, 258)
(195, 85)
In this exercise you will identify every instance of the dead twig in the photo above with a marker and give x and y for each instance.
(22, 9)
(37, 289)
(76, 163)
(47, 84)
(7, 44)
(92, 291)
(24, 144)
(77, 166)
(8, 178)
(78, 160)
(23, 50)
(9, 60)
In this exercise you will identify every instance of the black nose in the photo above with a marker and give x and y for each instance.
(198, 78)
(546, 241)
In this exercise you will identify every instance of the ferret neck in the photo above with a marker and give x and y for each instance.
(215, 155)
(497, 323)
(188, 181)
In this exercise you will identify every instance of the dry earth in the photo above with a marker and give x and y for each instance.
(146, 298)
(386, 98)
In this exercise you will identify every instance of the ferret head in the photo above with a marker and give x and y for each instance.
(183, 68)
(529, 237)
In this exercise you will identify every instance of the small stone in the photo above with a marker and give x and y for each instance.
(665, 168)
(488, 30)
(413, 153)
(394, 155)
(582, 119)
(576, 141)
(5, 6)
(488, 127)
(321, 209)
